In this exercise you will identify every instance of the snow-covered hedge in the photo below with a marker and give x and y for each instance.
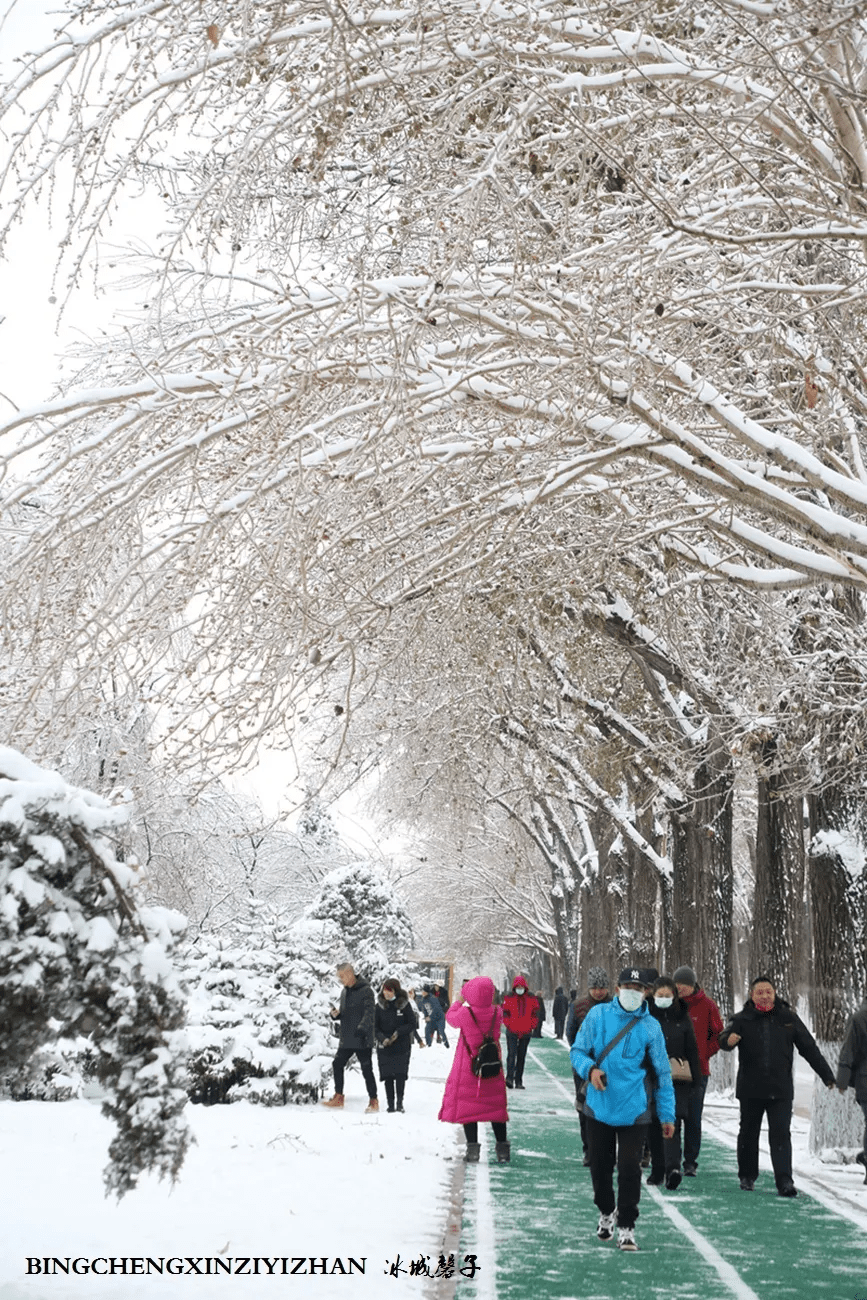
(78, 955)
(258, 1023)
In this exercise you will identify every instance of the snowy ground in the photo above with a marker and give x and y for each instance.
(293, 1183)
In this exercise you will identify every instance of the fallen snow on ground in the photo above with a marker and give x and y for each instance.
(290, 1182)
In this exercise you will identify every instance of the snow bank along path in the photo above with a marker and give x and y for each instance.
(293, 1182)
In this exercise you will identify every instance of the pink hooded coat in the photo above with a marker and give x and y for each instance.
(466, 1098)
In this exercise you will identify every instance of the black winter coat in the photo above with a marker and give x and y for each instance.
(356, 1015)
(561, 1005)
(766, 1050)
(676, 1026)
(399, 1018)
(852, 1068)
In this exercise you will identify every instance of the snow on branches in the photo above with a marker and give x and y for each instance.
(358, 917)
(258, 1015)
(80, 955)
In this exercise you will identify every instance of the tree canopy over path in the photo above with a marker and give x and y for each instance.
(502, 361)
(429, 275)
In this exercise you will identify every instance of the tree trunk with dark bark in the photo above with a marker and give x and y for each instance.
(779, 918)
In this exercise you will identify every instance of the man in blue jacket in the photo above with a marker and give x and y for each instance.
(620, 1098)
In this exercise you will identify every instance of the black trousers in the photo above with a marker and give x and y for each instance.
(344, 1054)
(622, 1147)
(471, 1131)
(516, 1054)
(779, 1113)
(398, 1083)
(664, 1152)
(559, 1022)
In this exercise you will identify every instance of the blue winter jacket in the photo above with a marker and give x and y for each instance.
(632, 1081)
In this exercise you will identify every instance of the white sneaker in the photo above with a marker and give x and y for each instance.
(605, 1226)
(626, 1239)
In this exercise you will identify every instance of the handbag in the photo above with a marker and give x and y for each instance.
(585, 1083)
(680, 1070)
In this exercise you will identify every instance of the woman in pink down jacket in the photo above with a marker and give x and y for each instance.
(467, 1099)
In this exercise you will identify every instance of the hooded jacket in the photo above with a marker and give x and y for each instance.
(767, 1049)
(466, 1098)
(560, 1005)
(637, 1069)
(852, 1067)
(521, 1012)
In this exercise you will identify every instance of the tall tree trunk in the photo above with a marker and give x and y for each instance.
(703, 887)
(837, 891)
(778, 902)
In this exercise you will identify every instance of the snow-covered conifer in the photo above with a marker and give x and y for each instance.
(358, 917)
(258, 1015)
(79, 955)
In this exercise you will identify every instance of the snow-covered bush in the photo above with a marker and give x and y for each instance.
(358, 917)
(258, 1022)
(79, 956)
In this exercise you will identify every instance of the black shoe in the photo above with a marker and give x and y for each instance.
(655, 1180)
(520, 1085)
(787, 1189)
(673, 1179)
(401, 1110)
(509, 1083)
(690, 1171)
(747, 1184)
(389, 1110)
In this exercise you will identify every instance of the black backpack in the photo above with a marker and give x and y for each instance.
(487, 1062)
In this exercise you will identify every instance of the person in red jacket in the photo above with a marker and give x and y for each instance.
(520, 1016)
(708, 1025)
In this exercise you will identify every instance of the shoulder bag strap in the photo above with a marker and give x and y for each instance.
(615, 1040)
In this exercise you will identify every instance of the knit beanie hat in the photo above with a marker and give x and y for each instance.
(685, 975)
(597, 978)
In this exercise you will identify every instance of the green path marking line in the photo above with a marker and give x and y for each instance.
(532, 1223)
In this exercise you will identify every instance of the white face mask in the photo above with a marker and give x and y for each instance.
(520, 991)
(663, 1002)
(630, 999)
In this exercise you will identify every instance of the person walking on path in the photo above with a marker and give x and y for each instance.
(597, 993)
(537, 1032)
(614, 1045)
(434, 1018)
(766, 1032)
(521, 1015)
(356, 1014)
(395, 1023)
(674, 1021)
(559, 1011)
(707, 1024)
(468, 1099)
(852, 1069)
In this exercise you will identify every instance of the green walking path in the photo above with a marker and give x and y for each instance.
(532, 1224)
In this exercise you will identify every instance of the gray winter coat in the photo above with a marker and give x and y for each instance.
(356, 1015)
(852, 1069)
